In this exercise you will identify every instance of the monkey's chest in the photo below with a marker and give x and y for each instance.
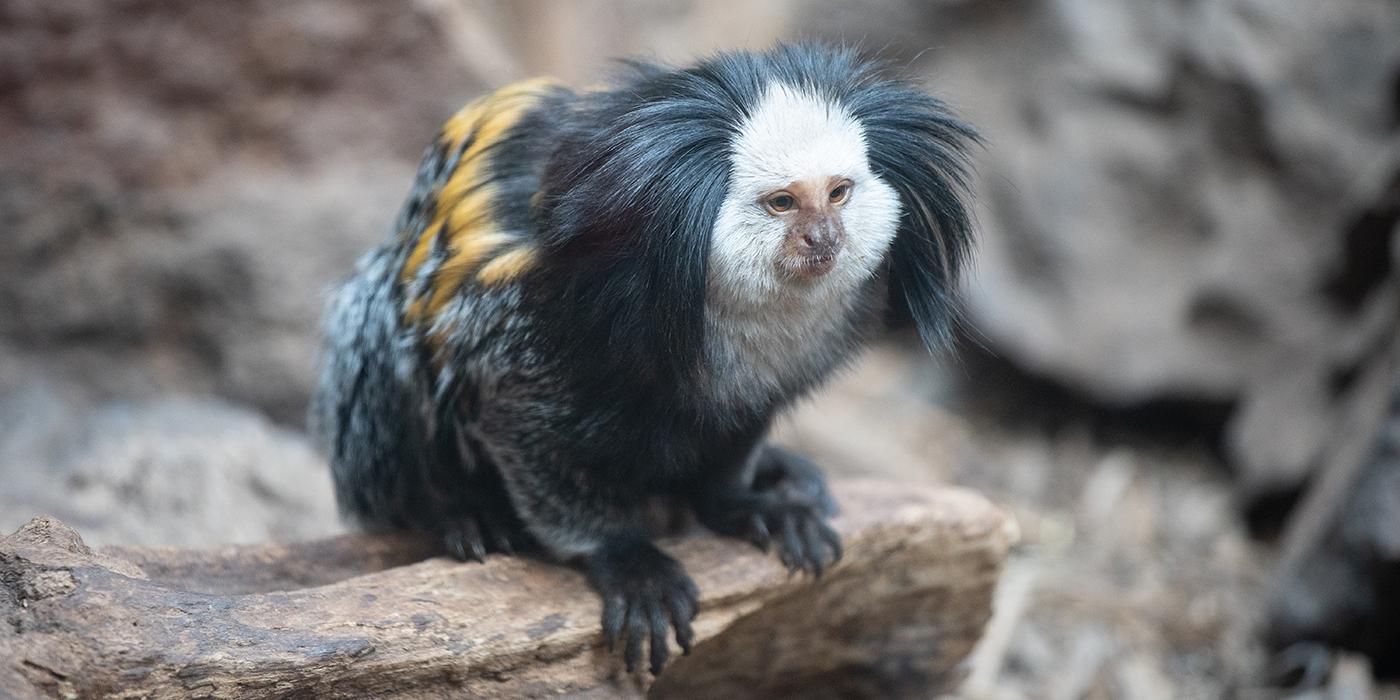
(759, 356)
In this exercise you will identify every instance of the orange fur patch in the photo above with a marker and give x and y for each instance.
(464, 202)
(507, 265)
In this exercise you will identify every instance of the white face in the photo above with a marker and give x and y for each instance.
(803, 213)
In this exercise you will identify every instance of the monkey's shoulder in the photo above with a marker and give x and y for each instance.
(468, 224)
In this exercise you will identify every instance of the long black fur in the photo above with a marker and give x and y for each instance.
(555, 406)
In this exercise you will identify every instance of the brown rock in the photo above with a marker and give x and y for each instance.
(330, 619)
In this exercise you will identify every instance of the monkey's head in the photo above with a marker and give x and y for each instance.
(806, 169)
(803, 211)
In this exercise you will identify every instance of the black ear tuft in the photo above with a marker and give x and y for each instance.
(630, 194)
(921, 150)
(629, 199)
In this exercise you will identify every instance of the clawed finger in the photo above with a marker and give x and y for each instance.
(660, 629)
(637, 628)
(614, 614)
(806, 541)
(464, 541)
(816, 546)
(760, 534)
(681, 607)
(648, 622)
(793, 554)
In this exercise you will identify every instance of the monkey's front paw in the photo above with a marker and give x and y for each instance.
(805, 541)
(645, 593)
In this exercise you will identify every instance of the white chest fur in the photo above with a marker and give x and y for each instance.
(757, 351)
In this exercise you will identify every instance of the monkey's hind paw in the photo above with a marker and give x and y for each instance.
(805, 541)
(470, 538)
(645, 593)
(790, 476)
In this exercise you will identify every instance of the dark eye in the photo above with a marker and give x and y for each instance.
(840, 193)
(780, 202)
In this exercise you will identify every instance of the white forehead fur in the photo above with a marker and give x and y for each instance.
(763, 329)
(794, 135)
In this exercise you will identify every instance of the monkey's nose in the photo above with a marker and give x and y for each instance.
(815, 251)
(822, 242)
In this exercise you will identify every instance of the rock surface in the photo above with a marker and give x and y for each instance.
(173, 471)
(179, 183)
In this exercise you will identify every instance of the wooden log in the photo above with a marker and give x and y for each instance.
(363, 615)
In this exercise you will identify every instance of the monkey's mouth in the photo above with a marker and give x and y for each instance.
(807, 266)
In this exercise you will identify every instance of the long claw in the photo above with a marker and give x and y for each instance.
(636, 635)
(793, 553)
(660, 628)
(464, 541)
(762, 537)
(456, 547)
(816, 553)
(685, 636)
(478, 550)
(614, 614)
(682, 610)
(475, 540)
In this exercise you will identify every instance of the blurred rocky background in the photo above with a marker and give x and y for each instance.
(1180, 368)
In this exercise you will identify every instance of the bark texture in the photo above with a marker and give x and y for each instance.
(365, 615)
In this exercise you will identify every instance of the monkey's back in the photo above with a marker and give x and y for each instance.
(431, 315)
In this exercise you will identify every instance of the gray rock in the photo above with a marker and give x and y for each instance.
(180, 182)
(1168, 194)
(184, 471)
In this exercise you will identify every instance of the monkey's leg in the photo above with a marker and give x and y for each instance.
(776, 495)
(466, 502)
(645, 592)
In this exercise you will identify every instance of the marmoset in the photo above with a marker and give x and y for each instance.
(596, 298)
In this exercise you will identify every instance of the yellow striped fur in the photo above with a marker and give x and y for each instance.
(476, 245)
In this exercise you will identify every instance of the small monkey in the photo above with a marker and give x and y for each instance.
(595, 298)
